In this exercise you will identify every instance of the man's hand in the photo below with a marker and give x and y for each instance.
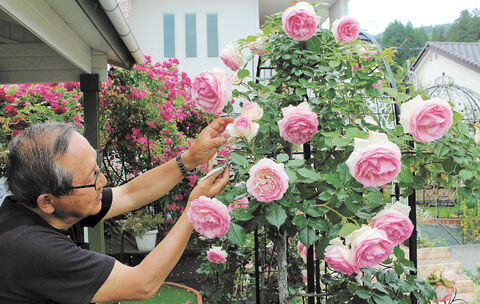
(207, 143)
(211, 185)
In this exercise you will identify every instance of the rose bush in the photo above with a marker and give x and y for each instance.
(352, 155)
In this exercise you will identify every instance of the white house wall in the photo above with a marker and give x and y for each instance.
(433, 65)
(236, 20)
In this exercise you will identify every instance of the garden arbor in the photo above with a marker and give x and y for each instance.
(48, 41)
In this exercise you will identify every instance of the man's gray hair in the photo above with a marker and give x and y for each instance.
(31, 166)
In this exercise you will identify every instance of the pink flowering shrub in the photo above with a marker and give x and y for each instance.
(24, 104)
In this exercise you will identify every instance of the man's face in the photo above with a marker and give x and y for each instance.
(81, 160)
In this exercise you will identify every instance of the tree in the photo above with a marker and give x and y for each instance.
(466, 28)
(439, 34)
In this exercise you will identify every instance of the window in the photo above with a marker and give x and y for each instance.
(190, 35)
(168, 35)
(212, 35)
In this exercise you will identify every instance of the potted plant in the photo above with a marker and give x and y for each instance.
(143, 225)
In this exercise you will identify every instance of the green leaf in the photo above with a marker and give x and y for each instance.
(309, 173)
(300, 91)
(276, 215)
(300, 220)
(465, 174)
(405, 175)
(334, 180)
(282, 157)
(243, 73)
(308, 236)
(333, 63)
(347, 228)
(382, 299)
(344, 173)
(295, 162)
(325, 195)
(363, 293)
(399, 253)
(236, 234)
(318, 224)
(314, 44)
(375, 197)
(239, 159)
(241, 214)
(380, 287)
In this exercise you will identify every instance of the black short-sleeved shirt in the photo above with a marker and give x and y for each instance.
(41, 264)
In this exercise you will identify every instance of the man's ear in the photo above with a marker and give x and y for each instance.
(44, 203)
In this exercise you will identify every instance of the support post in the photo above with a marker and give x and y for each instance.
(90, 86)
(257, 271)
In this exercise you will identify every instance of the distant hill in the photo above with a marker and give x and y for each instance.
(428, 29)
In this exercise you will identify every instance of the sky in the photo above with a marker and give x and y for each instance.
(375, 15)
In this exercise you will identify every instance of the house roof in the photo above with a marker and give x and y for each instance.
(465, 53)
(57, 40)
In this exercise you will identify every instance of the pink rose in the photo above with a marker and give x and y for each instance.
(217, 255)
(241, 203)
(235, 80)
(300, 22)
(209, 217)
(370, 246)
(302, 249)
(444, 293)
(299, 124)
(374, 161)
(232, 58)
(212, 90)
(340, 258)
(426, 120)
(304, 276)
(242, 126)
(252, 110)
(395, 222)
(268, 180)
(258, 46)
(345, 29)
(377, 85)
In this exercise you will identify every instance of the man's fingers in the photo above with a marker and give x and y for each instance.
(219, 141)
(220, 182)
(219, 124)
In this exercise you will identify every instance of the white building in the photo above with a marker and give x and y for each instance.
(194, 31)
(458, 60)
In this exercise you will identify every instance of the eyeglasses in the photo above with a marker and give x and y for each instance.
(97, 174)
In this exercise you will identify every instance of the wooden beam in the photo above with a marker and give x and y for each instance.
(39, 18)
(37, 62)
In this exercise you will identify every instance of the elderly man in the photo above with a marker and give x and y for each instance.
(55, 183)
